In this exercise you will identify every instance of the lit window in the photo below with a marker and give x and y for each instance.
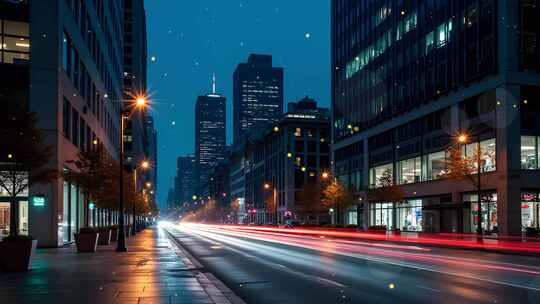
(529, 153)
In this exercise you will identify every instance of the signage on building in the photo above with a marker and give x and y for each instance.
(39, 201)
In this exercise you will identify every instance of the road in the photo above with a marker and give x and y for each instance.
(273, 267)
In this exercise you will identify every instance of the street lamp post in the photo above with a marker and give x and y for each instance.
(140, 102)
(144, 165)
(464, 139)
(274, 200)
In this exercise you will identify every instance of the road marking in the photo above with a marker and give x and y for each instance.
(330, 282)
(428, 288)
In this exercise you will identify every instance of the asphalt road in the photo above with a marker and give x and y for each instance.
(263, 267)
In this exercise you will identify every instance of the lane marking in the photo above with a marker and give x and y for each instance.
(379, 260)
(428, 288)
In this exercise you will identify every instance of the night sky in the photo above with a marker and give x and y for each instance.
(188, 40)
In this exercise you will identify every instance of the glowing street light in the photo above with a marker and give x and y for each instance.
(325, 175)
(139, 103)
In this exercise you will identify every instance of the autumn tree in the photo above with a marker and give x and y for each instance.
(336, 195)
(93, 175)
(24, 156)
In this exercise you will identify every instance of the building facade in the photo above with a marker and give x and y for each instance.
(152, 156)
(210, 136)
(64, 59)
(258, 95)
(134, 78)
(407, 78)
(185, 180)
(273, 169)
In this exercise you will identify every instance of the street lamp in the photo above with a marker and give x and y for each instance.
(464, 139)
(144, 165)
(267, 186)
(139, 103)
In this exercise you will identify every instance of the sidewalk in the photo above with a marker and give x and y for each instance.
(153, 271)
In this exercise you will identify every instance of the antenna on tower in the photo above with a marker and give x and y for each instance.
(213, 83)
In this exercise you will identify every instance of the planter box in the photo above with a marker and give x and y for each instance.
(16, 256)
(86, 242)
(114, 234)
(104, 237)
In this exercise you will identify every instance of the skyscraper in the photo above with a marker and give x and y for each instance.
(134, 77)
(185, 180)
(152, 153)
(210, 135)
(408, 78)
(258, 95)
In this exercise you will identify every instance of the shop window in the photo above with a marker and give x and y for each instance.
(298, 132)
(376, 173)
(409, 215)
(530, 211)
(4, 219)
(409, 171)
(488, 154)
(529, 153)
(436, 165)
(489, 211)
(381, 214)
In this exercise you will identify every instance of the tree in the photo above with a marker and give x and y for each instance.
(24, 156)
(336, 196)
(461, 166)
(94, 175)
(386, 190)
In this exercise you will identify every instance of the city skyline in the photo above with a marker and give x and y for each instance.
(183, 57)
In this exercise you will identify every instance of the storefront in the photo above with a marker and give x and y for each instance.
(382, 214)
(530, 210)
(489, 211)
(409, 216)
(5, 211)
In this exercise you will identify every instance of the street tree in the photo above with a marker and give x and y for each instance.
(24, 156)
(335, 195)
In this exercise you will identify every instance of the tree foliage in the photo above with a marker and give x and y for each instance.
(24, 155)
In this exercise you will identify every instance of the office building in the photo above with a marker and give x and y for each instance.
(134, 78)
(278, 165)
(64, 60)
(258, 95)
(185, 180)
(210, 136)
(407, 78)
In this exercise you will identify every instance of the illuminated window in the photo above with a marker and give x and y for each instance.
(14, 42)
(529, 153)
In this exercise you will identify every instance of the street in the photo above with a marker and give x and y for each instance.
(273, 267)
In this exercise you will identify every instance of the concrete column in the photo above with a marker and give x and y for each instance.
(508, 160)
(365, 185)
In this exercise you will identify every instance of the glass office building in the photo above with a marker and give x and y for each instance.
(407, 77)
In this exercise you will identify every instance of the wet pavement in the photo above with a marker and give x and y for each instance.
(154, 270)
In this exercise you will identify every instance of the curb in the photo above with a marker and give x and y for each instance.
(216, 290)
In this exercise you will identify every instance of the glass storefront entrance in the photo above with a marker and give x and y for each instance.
(381, 214)
(409, 215)
(489, 211)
